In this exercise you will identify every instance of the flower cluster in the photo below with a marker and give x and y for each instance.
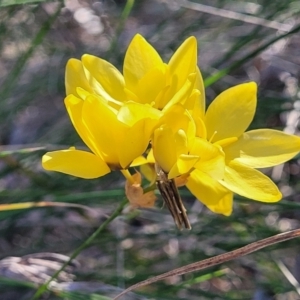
(155, 114)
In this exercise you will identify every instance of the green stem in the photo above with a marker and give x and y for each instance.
(124, 16)
(149, 188)
(84, 245)
(14, 74)
(212, 79)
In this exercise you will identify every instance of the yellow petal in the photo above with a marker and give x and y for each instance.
(212, 158)
(131, 96)
(151, 84)
(199, 85)
(171, 151)
(210, 192)
(263, 148)
(186, 162)
(224, 206)
(183, 165)
(195, 106)
(181, 96)
(190, 102)
(138, 121)
(163, 97)
(140, 58)
(103, 77)
(183, 62)
(150, 157)
(148, 172)
(178, 118)
(164, 148)
(250, 183)
(231, 112)
(226, 142)
(139, 161)
(74, 107)
(132, 112)
(76, 163)
(133, 141)
(82, 93)
(101, 122)
(75, 77)
(201, 131)
(118, 142)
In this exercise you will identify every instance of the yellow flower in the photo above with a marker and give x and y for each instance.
(172, 142)
(116, 137)
(214, 156)
(147, 79)
(190, 160)
(210, 152)
(224, 124)
(114, 114)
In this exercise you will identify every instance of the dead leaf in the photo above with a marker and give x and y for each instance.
(135, 193)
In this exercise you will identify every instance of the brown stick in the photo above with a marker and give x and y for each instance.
(219, 259)
(172, 199)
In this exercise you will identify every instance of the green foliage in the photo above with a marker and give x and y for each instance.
(15, 2)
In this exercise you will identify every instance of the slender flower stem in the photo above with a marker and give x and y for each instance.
(124, 16)
(12, 77)
(127, 175)
(215, 77)
(84, 245)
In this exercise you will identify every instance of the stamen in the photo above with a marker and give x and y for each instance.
(211, 138)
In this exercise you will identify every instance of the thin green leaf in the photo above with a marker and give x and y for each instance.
(205, 277)
(212, 79)
(16, 2)
(84, 245)
(5, 151)
(81, 296)
(11, 79)
(28, 205)
(16, 283)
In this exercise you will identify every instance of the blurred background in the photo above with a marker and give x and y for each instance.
(238, 41)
